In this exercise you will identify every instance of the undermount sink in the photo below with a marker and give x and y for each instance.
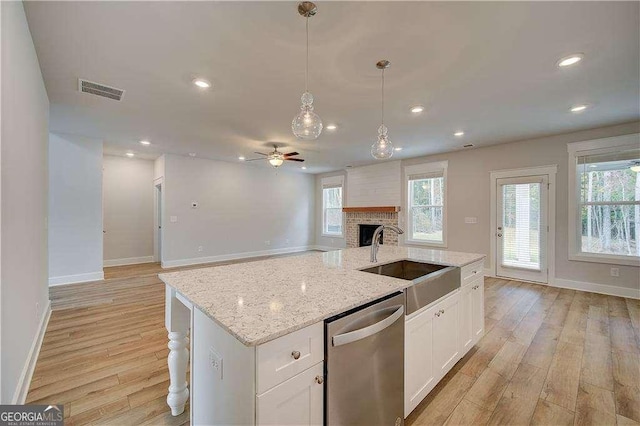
(404, 269)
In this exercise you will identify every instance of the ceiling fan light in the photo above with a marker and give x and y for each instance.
(276, 161)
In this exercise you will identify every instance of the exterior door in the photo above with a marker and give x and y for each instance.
(522, 228)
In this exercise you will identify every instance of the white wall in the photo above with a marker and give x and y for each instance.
(75, 209)
(127, 201)
(23, 176)
(240, 208)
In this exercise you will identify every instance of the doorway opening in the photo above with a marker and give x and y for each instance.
(157, 235)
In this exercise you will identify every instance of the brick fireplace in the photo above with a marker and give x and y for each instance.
(355, 218)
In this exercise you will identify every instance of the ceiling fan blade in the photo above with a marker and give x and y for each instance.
(255, 159)
(291, 154)
(294, 159)
(260, 153)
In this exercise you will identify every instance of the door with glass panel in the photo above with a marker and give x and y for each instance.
(521, 234)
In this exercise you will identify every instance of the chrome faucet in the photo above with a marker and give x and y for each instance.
(375, 241)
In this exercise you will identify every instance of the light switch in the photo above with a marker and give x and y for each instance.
(470, 220)
(173, 219)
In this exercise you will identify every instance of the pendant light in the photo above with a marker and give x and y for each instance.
(382, 148)
(307, 125)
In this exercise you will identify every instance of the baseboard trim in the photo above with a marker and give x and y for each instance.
(20, 395)
(233, 256)
(72, 279)
(632, 293)
(128, 261)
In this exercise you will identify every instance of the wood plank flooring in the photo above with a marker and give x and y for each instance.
(549, 357)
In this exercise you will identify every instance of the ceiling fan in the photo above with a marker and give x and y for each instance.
(276, 158)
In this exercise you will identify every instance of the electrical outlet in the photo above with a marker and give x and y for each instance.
(470, 220)
(286, 241)
(615, 272)
(267, 243)
(215, 361)
(200, 248)
(173, 219)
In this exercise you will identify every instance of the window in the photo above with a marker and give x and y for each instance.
(332, 206)
(605, 213)
(426, 203)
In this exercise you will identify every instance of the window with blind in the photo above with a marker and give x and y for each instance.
(608, 211)
(426, 213)
(332, 209)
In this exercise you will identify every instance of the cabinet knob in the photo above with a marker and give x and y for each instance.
(319, 380)
(437, 314)
(442, 311)
(295, 354)
(474, 272)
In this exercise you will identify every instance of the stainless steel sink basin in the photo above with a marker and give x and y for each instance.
(404, 269)
(430, 282)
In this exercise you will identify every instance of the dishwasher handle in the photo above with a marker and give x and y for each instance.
(353, 336)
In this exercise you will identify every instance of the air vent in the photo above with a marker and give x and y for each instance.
(100, 90)
(469, 145)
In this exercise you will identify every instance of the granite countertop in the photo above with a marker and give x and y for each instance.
(259, 301)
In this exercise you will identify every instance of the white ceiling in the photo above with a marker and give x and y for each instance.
(486, 68)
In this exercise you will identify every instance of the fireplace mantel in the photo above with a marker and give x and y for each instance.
(376, 209)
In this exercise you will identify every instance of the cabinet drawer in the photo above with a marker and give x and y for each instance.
(472, 272)
(288, 355)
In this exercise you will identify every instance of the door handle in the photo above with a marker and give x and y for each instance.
(499, 235)
(353, 336)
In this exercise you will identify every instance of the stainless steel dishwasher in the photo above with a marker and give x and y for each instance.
(364, 351)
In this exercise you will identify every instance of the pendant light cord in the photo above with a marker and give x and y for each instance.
(306, 74)
(383, 96)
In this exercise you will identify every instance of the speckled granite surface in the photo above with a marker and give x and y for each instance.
(259, 301)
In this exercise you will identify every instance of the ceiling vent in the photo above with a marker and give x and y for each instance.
(98, 89)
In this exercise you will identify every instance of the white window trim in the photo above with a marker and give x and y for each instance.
(585, 148)
(551, 172)
(331, 181)
(419, 169)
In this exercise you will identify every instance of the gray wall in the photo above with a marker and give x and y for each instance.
(75, 209)
(23, 166)
(127, 185)
(240, 208)
(469, 196)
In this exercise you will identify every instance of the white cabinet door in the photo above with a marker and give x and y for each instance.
(297, 401)
(466, 317)
(446, 334)
(419, 372)
(477, 310)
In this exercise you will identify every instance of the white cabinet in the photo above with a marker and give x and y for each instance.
(297, 401)
(432, 347)
(446, 332)
(419, 366)
(477, 310)
(466, 318)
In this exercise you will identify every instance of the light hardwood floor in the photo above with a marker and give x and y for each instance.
(549, 357)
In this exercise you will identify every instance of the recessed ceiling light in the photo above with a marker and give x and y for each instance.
(332, 127)
(570, 60)
(417, 109)
(202, 83)
(145, 143)
(130, 154)
(398, 148)
(458, 134)
(303, 168)
(241, 158)
(578, 108)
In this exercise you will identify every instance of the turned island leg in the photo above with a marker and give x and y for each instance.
(177, 321)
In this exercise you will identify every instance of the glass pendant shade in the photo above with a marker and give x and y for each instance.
(307, 125)
(382, 148)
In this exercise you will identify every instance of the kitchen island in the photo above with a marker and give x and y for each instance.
(239, 315)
